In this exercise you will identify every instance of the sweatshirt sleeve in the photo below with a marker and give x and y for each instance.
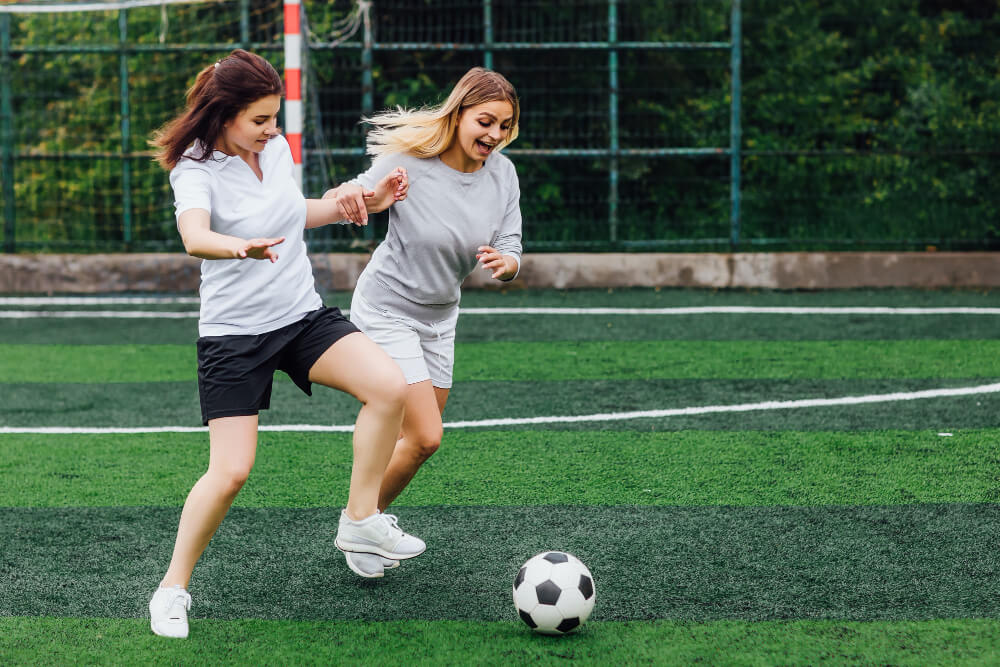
(508, 240)
(376, 172)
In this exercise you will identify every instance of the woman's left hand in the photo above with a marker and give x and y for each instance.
(502, 266)
(391, 189)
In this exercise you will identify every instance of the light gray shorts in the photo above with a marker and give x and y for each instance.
(424, 350)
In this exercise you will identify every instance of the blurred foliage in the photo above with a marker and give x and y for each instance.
(864, 125)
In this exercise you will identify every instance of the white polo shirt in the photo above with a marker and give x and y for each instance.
(248, 296)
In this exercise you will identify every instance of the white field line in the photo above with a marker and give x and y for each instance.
(738, 310)
(101, 314)
(93, 300)
(705, 310)
(600, 417)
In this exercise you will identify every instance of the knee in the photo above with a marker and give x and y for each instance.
(230, 480)
(424, 444)
(391, 390)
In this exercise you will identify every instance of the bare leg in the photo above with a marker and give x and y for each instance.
(420, 438)
(233, 447)
(358, 366)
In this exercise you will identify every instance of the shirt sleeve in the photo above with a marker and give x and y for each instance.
(192, 184)
(376, 172)
(508, 240)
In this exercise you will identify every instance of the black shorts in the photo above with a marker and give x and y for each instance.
(235, 372)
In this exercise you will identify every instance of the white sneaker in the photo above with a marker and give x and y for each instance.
(371, 566)
(168, 612)
(378, 534)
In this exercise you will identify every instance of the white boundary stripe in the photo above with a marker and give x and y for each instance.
(744, 407)
(601, 417)
(706, 310)
(104, 314)
(765, 310)
(93, 300)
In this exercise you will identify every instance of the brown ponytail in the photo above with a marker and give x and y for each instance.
(220, 92)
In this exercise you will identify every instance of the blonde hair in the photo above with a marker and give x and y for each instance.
(428, 131)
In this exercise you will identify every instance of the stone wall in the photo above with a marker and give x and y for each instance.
(176, 272)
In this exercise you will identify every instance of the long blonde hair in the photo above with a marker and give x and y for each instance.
(428, 131)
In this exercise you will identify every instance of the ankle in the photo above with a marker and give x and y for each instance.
(359, 517)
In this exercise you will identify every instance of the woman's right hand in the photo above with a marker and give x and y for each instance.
(259, 249)
(351, 204)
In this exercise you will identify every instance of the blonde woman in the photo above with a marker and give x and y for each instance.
(461, 211)
(238, 207)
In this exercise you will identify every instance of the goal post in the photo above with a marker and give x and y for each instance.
(293, 83)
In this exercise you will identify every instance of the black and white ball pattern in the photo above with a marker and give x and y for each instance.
(554, 593)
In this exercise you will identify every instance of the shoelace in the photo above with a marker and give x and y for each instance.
(393, 521)
(180, 596)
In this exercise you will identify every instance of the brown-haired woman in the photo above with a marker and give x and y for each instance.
(462, 210)
(237, 203)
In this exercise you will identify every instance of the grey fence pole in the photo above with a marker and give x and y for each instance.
(367, 86)
(488, 34)
(245, 24)
(126, 127)
(613, 121)
(7, 134)
(735, 126)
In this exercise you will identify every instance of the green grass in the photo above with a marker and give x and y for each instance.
(499, 468)
(509, 328)
(836, 535)
(155, 404)
(902, 562)
(262, 642)
(647, 360)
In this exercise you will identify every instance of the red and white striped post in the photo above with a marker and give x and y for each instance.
(293, 84)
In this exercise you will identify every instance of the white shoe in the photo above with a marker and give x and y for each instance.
(370, 566)
(168, 612)
(378, 534)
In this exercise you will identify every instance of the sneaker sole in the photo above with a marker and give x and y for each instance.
(168, 635)
(361, 573)
(371, 549)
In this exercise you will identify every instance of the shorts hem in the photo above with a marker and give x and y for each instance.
(242, 412)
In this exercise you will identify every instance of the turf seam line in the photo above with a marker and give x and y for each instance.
(607, 416)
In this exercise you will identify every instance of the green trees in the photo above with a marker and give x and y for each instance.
(872, 124)
(865, 124)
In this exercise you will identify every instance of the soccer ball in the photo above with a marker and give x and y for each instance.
(554, 593)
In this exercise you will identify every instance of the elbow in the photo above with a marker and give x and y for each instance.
(189, 246)
(193, 248)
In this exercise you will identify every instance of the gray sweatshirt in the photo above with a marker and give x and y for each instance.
(434, 234)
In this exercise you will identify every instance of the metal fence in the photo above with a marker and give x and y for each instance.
(487, 34)
(634, 129)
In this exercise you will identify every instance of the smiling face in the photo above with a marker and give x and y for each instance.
(251, 129)
(480, 128)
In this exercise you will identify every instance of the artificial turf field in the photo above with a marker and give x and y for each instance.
(747, 487)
